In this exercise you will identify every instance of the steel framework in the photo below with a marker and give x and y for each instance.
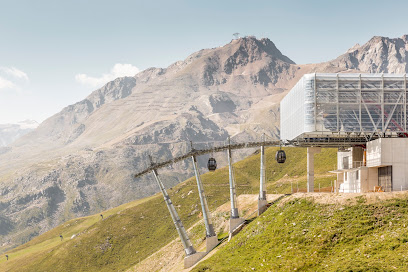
(346, 105)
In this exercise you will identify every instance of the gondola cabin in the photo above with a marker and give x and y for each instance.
(280, 156)
(212, 164)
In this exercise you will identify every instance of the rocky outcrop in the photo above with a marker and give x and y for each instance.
(379, 55)
(67, 125)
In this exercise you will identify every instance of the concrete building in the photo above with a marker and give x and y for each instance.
(364, 116)
(381, 166)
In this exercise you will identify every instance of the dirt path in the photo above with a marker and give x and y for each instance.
(345, 198)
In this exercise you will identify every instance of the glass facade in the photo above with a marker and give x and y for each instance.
(335, 105)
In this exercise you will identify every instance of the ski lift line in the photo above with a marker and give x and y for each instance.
(304, 142)
(199, 152)
(207, 142)
(218, 185)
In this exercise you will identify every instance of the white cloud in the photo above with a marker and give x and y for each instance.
(118, 70)
(11, 78)
(14, 72)
(6, 84)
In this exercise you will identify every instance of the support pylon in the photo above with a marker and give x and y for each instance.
(192, 256)
(262, 185)
(185, 240)
(310, 167)
(235, 220)
(209, 228)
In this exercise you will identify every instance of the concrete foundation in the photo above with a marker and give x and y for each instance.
(192, 259)
(235, 223)
(262, 206)
(211, 242)
(310, 167)
(236, 229)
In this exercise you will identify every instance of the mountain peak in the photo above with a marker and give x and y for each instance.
(378, 55)
(354, 48)
(242, 64)
(264, 45)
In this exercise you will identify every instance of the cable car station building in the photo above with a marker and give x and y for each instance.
(363, 115)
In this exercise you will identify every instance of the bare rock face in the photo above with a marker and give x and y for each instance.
(379, 55)
(82, 159)
(65, 126)
(221, 102)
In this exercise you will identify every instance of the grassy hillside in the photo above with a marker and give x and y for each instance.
(132, 232)
(302, 235)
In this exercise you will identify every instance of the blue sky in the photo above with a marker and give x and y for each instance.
(54, 53)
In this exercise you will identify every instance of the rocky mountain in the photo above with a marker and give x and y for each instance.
(11, 132)
(378, 55)
(82, 159)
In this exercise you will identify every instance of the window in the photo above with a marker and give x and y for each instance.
(346, 162)
(385, 178)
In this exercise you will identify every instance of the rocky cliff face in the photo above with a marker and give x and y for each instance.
(379, 55)
(82, 160)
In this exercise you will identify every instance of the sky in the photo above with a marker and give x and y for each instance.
(55, 53)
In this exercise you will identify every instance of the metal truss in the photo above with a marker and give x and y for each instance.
(371, 105)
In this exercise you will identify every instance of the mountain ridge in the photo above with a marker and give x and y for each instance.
(378, 55)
